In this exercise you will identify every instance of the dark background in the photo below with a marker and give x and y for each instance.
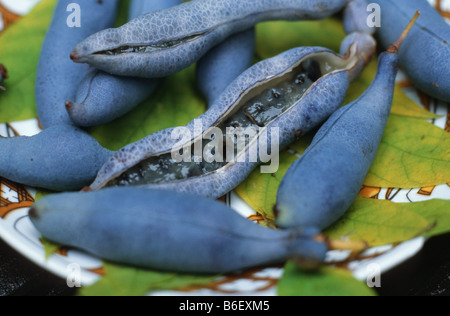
(426, 274)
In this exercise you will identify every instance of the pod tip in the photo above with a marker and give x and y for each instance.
(393, 49)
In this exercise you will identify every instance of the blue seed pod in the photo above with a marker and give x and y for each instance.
(271, 104)
(102, 97)
(168, 231)
(320, 186)
(224, 63)
(425, 54)
(3, 75)
(57, 76)
(161, 43)
(355, 17)
(60, 158)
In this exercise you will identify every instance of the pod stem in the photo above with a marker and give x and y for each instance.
(393, 49)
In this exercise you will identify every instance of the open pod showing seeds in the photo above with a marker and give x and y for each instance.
(163, 42)
(263, 110)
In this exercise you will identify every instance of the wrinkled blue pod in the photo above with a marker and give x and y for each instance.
(355, 17)
(425, 53)
(168, 231)
(102, 97)
(57, 76)
(60, 158)
(162, 43)
(320, 186)
(3, 75)
(224, 63)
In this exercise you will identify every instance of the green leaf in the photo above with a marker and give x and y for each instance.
(49, 247)
(326, 282)
(20, 49)
(175, 103)
(129, 281)
(413, 154)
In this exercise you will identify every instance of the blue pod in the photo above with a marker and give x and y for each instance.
(224, 63)
(60, 158)
(161, 43)
(320, 186)
(3, 75)
(57, 76)
(271, 104)
(169, 231)
(425, 54)
(102, 97)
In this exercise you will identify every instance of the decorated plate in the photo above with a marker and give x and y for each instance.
(79, 268)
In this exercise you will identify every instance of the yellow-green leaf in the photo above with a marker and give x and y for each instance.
(122, 280)
(20, 49)
(380, 222)
(413, 154)
(325, 282)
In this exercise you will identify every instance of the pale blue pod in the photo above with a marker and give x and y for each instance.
(224, 63)
(320, 187)
(149, 162)
(102, 97)
(168, 231)
(140, 7)
(164, 42)
(425, 53)
(57, 76)
(60, 158)
(355, 18)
